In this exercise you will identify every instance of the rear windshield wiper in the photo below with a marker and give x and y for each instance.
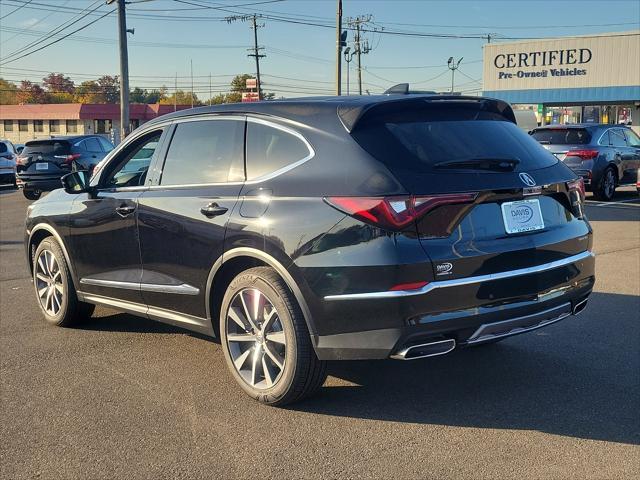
(480, 163)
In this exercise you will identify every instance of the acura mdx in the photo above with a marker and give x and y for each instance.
(302, 231)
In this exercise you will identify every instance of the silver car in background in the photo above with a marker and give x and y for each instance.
(605, 156)
(8, 157)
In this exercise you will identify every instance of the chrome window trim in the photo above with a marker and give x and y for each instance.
(182, 289)
(257, 180)
(463, 281)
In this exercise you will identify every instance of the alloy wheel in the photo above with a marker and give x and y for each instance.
(256, 339)
(48, 280)
(609, 183)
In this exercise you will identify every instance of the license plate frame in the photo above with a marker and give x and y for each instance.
(42, 166)
(522, 216)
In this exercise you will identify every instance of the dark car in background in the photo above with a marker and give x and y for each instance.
(43, 162)
(605, 156)
(8, 156)
(309, 230)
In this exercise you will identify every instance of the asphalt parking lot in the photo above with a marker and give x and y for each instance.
(124, 397)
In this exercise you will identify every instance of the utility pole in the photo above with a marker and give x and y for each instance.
(256, 49)
(339, 49)
(453, 66)
(191, 83)
(361, 46)
(175, 93)
(124, 68)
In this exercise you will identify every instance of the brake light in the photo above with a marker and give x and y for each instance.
(69, 158)
(408, 286)
(577, 196)
(395, 213)
(577, 185)
(583, 154)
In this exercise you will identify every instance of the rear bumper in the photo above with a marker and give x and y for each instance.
(529, 298)
(37, 182)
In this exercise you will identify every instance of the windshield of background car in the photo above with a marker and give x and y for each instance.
(562, 136)
(413, 142)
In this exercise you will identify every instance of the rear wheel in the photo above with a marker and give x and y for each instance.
(265, 339)
(31, 194)
(54, 287)
(607, 187)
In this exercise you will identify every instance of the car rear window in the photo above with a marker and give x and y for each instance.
(410, 142)
(3, 148)
(562, 136)
(47, 147)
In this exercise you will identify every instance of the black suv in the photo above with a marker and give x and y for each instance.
(43, 162)
(323, 229)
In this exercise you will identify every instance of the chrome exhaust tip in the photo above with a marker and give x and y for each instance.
(423, 350)
(579, 307)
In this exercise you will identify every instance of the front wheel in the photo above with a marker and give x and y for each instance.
(265, 339)
(607, 188)
(54, 287)
(31, 194)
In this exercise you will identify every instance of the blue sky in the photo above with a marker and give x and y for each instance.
(300, 57)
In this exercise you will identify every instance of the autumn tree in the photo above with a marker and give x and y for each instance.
(58, 83)
(89, 92)
(29, 92)
(181, 97)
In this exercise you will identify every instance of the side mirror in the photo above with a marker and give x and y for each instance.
(76, 182)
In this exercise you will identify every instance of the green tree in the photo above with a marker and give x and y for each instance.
(89, 92)
(181, 98)
(8, 93)
(110, 87)
(138, 95)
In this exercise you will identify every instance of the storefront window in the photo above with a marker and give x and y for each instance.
(72, 126)
(102, 126)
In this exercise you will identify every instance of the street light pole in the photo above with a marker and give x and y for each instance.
(339, 49)
(453, 66)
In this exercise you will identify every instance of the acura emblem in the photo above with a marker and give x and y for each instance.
(527, 180)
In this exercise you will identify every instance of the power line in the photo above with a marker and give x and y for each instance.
(58, 40)
(15, 10)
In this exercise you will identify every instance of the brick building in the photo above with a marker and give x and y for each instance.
(20, 123)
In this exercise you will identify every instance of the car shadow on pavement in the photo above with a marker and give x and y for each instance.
(578, 378)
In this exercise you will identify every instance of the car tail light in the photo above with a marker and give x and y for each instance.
(69, 158)
(395, 213)
(577, 196)
(583, 154)
(22, 160)
(408, 286)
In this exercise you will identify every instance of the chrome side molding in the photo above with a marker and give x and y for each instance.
(181, 289)
(463, 281)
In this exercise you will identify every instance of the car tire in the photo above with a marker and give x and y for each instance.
(270, 354)
(54, 288)
(607, 186)
(31, 194)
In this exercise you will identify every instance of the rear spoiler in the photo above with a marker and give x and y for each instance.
(351, 116)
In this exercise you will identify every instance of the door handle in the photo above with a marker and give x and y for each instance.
(125, 210)
(213, 210)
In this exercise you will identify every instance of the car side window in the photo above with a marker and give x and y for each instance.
(632, 138)
(270, 149)
(92, 145)
(106, 145)
(130, 168)
(616, 138)
(205, 151)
